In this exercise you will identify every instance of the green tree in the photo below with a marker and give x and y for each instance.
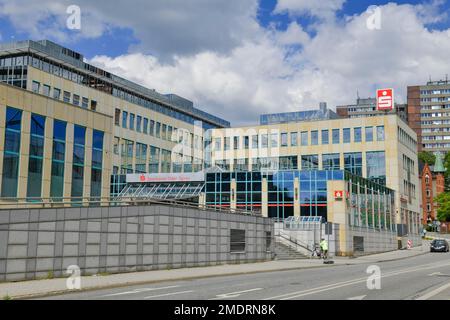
(427, 157)
(443, 201)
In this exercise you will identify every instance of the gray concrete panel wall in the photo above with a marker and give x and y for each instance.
(40, 243)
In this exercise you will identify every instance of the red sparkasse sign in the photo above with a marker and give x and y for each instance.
(385, 99)
(338, 194)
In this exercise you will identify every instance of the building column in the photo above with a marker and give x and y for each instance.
(264, 195)
(24, 154)
(296, 197)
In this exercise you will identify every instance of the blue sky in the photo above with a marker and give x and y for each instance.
(240, 58)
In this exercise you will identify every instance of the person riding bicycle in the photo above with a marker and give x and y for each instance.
(324, 248)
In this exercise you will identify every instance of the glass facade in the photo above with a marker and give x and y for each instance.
(11, 154)
(35, 162)
(310, 162)
(153, 166)
(331, 161)
(141, 157)
(376, 167)
(97, 162)
(58, 160)
(78, 162)
(280, 194)
(353, 163)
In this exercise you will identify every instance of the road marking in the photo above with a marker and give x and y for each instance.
(337, 285)
(138, 291)
(234, 294)
(168, 294)
(434, 292)
(436, 274)
(357, 297)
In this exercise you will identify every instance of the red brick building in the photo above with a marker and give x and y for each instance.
(433, 183)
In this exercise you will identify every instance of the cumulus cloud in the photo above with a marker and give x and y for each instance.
(240, 75)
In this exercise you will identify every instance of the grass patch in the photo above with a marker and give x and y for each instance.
(50, 275)
(6, 297)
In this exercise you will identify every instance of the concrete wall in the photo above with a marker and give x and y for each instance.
(374, 241)
(34, 242)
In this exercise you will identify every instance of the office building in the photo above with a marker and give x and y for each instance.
(367, 107)
(429, 115)
(66, 126)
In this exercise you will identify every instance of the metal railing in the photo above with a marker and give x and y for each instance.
(67, 202)
(294, 241)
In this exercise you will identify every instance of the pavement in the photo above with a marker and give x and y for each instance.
(49, 287)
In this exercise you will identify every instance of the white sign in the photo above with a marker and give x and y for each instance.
(166, 177)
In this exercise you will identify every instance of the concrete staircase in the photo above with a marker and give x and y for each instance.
(285, 252)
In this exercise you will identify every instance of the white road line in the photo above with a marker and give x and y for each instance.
(357, 298)
(234, 294)
(434, 292)
(138, 291)
(337, 285)
(168, 294)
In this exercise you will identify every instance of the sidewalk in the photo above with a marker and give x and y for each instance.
(27, 289)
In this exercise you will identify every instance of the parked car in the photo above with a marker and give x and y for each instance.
(439, 245)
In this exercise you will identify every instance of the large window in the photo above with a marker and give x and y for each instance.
(117, 117)
(132, 121)
(314, 137)
(264, 141)
(78, 162)
(124, 119)
(158, 130)
(376, 167)
(353, 163)
(336, 136)
(331, 161)
(304, 138)
(11, 152)
(165, 161)
(310, 162)
(369, 134)
(152, 127)
(294, 138)
(255, 141)
(141, 157)
(274, 140)
(58, 160)
(236, 143)
(357, 134)
(97, 162)
(153, 166)
(325, 137)
(138, 123)
(35, 162)
(346, 135)
(380, 133)
(284, 139)
(145, 127)
(280, 195)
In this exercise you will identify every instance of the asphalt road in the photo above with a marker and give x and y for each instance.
(421, 277)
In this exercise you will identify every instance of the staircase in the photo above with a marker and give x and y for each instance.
(285, 252)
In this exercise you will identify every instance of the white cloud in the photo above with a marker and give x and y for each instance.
(219, 57)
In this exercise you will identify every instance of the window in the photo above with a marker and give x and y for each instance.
(154, 160)
(294, 137)
(325, 136)
(380, 133)
(58, 160)
(36, 157)
(76, 100)
(246, 142)
(331, 161)
(66, 98)
(11, 155)
(346, 135)
(310, 162)
(428, 191)
(46, 90)
(314, 137)
(85, 102)
(369, 134)
(274, 140)
(353, 163)
(217, 144)
(304, 138)
(131, 121)
(227, 143)
(117, 117)
(93, 105)
(78, 162)
(237, 240)
(336, 136)
(164, 132)
(236, 143)
(56, 93)
(255, 141)
(428, 207)
(376, 167)
(35, 86)
(284, 139)
(158, 130)
(357, 134)
(264, 141)
(124, 119)
(138, 123)
(97, 162)
(145, 128)
(152, 127)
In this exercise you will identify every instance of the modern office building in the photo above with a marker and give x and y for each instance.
(323, 113)
(367, 107)
(66, 126)
(296, 169)
(429, 115)
(432, 183)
